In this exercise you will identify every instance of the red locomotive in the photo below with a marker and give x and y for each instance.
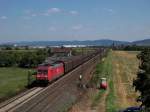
(48, 72)
(55, 67)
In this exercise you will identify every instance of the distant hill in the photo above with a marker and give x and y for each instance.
(102, 42)
(145, 42)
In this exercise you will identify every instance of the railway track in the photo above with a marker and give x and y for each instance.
(15, 102)
(50, 98)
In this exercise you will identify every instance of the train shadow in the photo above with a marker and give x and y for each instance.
(37, 84)
(41, 83)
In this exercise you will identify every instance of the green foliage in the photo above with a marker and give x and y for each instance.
(103, 69)
(134, 48)
(142, 83)
(97, 75)
(23, 59)
(130, 47)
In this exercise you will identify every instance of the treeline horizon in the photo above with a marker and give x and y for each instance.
(130, 47)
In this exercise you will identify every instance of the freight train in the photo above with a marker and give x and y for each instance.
(55, 67)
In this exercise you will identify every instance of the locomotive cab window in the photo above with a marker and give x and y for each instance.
(42, 71)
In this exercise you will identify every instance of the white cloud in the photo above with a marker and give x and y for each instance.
(73, 12)
(3, 17)
(110, 11)
(51, 11)
(54, 10)
(77, 27)
(48, 12)
(52, 28)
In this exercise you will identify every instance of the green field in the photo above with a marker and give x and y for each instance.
(12, 81)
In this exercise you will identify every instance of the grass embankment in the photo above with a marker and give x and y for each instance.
(104, 69)
(12, 81)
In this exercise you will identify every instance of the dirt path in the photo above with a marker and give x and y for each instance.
(84, 105)
(102, 105)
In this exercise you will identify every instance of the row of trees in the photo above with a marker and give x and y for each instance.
(23, 59)
(135, 48)
(142, 83)
(129, 47)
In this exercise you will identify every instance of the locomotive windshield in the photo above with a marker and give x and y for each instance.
(42, 72)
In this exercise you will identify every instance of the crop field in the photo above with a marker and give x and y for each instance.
(125, 66)
(12, 81)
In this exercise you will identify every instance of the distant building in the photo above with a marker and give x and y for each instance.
(74, 46)
(61, 51)
(15, 45)
(37, 47)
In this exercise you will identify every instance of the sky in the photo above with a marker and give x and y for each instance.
(48, 20)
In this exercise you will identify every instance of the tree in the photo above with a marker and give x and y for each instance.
(22, 58)
(6, 59)
(142, 83)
